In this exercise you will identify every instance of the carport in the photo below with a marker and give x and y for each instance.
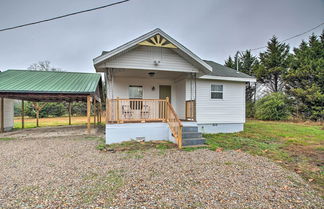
(52, 86)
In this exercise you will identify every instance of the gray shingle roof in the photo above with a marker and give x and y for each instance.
(221, 70)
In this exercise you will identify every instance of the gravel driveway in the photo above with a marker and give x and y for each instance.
(67, 171)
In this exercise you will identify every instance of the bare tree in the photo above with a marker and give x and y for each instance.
(43, 66)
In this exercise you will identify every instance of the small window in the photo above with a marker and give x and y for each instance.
(216, 91)
(135, 92)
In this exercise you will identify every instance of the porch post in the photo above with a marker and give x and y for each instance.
(117, 112)
(195, 102)
(167, 109)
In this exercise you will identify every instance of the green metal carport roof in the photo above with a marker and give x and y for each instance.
(49, 85)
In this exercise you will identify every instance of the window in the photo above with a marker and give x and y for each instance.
(216, 91)
(135, 92)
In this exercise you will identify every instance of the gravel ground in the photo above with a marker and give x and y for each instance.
(68, 172)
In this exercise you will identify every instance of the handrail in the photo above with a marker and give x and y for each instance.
(174, 123)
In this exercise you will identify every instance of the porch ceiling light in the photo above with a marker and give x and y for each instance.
(151, 74)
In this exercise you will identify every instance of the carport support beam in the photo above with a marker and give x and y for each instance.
(2, 115)
(88, 113)
(70, 113)
(22, 114)
(94, 112)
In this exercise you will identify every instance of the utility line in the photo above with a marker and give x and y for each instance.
(295, 36)
(63, 16)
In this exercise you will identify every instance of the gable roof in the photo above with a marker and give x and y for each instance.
(107, 54)
(222, 72)
(30, 81)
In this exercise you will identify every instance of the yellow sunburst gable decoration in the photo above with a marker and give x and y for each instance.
(158, 41)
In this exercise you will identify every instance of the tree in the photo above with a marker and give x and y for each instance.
(305, 78)
(274, 106)
(247, 64)
(273, 65)
(230, 63)
(43, 66)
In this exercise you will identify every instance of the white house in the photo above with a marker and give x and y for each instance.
(159, 89)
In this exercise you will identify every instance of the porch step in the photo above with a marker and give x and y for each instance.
(188, 135)
(190, 129)
(193, 141)
(191, 136)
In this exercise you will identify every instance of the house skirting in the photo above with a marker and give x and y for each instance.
(116, 133)
(220, 127)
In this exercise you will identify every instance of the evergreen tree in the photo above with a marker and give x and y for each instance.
(248, 63)
(230, 63)
(273, 65)
(305, 78)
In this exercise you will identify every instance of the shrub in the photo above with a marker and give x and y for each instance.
(250, 109)
(274, 106)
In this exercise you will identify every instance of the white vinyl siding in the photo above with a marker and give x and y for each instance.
(143, 57)
(230, 109)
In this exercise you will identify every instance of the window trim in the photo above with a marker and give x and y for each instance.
(210, 93)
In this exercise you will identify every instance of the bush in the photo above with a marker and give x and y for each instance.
(250, 109)
(274, 106)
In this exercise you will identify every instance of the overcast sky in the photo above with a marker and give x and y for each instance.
(213, 29)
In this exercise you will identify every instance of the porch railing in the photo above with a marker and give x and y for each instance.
(174, 123)
(144, 110)
(190, 110)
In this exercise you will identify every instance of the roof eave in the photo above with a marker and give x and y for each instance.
(223, 78)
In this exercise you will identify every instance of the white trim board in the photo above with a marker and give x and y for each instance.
(222, 78)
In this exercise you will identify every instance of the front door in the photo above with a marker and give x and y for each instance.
(165, 91)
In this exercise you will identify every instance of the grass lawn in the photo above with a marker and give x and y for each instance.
(296, 146)
(45, 122)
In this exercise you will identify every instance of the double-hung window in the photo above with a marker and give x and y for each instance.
(216, 91)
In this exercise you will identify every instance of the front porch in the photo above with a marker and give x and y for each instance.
(145, 96)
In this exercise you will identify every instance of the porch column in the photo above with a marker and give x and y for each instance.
(195, 102)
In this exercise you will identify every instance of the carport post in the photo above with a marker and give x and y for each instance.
(22, 114)
(70, 113)
(94, 112)
(88, 113)
(2, 115)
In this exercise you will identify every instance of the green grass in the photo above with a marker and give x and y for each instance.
(296, 146)
(134, 146)
(6, 139)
